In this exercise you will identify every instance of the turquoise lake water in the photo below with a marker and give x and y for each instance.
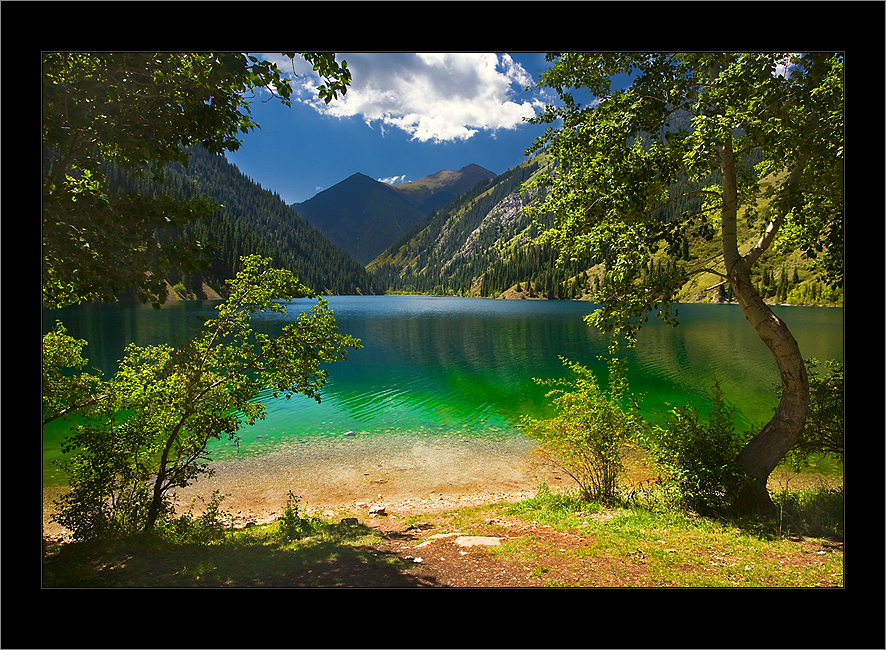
(463, 367)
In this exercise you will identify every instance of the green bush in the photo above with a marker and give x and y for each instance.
(823, 430)
(816, 512)
(699, 454)
(108, 495)
(293, 525)
(587, 437)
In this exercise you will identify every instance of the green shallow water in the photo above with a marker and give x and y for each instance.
(461, 368)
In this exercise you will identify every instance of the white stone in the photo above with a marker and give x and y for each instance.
(476, 540)
(437, 536)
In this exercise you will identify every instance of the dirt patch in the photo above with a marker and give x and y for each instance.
(428, 554)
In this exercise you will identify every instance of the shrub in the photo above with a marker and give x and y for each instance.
(699, 454)
(208, 527)
(816, 512)
(293, 526)
(586, 438)
(108, 495)
(823, 430)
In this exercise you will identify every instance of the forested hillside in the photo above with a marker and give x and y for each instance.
(482, 244)
(451, 248)
(252, 220)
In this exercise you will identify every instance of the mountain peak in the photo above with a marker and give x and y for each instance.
(436, 190)
(363, 216)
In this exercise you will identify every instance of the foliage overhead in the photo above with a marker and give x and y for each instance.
(140, 111)
(678, 117)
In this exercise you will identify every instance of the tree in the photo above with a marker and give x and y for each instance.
(145, 431)
(140, 111)
(697, 118)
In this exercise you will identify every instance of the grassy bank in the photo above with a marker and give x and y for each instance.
(552, 540)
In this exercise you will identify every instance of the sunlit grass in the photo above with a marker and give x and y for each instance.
(677, 548)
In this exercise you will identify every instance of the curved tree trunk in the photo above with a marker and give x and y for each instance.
(767, 448)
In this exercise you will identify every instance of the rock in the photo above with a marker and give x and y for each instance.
(350, 521)
(377, 510)
(437, 536)
(477, 540)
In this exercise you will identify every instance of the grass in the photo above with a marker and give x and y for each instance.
(257, 556)
(552, 539)
(681, 549)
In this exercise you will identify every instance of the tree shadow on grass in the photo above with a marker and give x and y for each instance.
(329, 561)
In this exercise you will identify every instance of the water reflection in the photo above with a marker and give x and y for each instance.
(465, 366)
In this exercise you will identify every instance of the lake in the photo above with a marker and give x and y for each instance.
(463, 368)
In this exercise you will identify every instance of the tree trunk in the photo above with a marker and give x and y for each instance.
(156, 501)
(767, 448)
(160, 482)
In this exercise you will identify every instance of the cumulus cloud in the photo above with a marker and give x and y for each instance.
(432, 97)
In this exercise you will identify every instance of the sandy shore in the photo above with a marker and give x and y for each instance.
(405, 474)
(353, 473)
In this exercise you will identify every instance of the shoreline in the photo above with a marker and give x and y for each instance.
(406, 475)
(403, 474)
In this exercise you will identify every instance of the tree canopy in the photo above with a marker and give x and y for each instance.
(629, 128)
(140, 111)
(682, 117)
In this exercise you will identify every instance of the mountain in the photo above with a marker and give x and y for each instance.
(360, 215)
(433, 192)
(484, 245)
(252, 220)
(363, 216)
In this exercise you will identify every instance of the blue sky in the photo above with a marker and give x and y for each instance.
(405, 116)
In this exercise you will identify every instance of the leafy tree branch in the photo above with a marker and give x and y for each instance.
(150, 430)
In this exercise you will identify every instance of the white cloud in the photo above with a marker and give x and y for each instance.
(393, 180)
(432, 97)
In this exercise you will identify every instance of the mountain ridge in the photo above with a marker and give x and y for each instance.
(363, 216)
(434, 191)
